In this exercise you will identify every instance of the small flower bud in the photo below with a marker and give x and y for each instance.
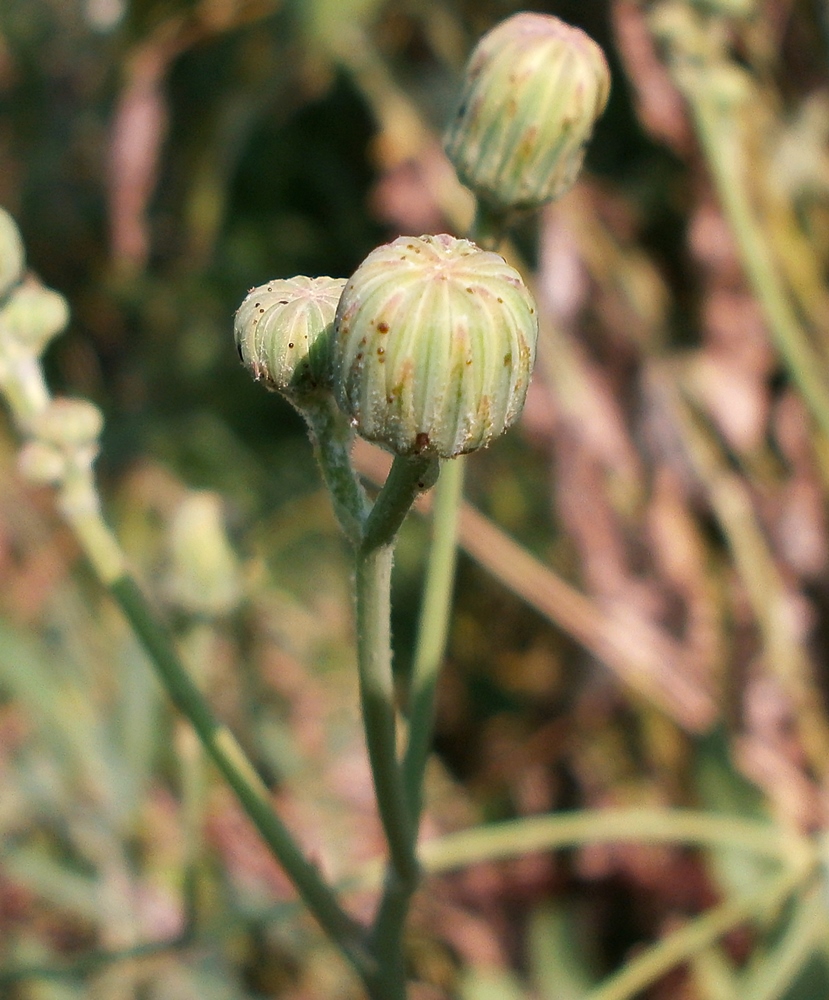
(204, 574)
(42, 463)
(32, 316)
(282, 332)
(533, 89)
(433, 346)
(69, 424)
(12, 255)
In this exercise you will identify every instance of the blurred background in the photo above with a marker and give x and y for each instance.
(642, 610)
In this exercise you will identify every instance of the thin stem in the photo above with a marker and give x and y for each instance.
(433, 630)
(332, 436)
(240, 774)
(373, 584)
(718, 132)
(600, 826)
(653, 963)
(80, 506)
(410, 475)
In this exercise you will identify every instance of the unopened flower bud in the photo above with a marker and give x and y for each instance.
(68, 424)
(204, 573)
(282, 332)
(433, 347)
(42, 463)
(533, 89)
(12, 255)
(32, 315)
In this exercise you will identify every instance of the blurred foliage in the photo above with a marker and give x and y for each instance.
(161, 157)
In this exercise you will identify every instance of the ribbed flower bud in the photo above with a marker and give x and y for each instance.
(12, 255)
(282, 332)
(433, 346)
(31, 316)
(533, 89)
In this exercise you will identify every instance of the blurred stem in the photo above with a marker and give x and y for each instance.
(240, 774)
(80, 506)
(771, 977)
(718, 131)
(193, 779)
(606, 826)
(675, 949)
(433, 629)
(24, 388)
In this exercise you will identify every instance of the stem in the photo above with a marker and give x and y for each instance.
(240, 774)
(331, 435)
(599, 826)
(410, 475)
(651, 964)
(433, 630)
(718, 133)
(377, 700)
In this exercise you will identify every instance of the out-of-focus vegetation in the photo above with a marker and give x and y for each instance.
(643, 612)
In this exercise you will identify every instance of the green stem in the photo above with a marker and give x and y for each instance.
(653, 963)
(240, 774)
(332, 436)
(599, 826)
(409, 476)
(718, 132)
(433, 630)
(377, 700)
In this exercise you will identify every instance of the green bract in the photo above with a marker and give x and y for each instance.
(533, 89)
(282, 331)
(433, 347)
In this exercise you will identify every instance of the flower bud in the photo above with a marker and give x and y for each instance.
(204, 573)
(433, 346)
(12, 255)
(42, 463)
(69, 424)
(32, 316)
(533, 89)
(282, 332)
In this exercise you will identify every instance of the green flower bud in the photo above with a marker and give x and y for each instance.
(433, 347)
(32, 316)
(282, 332)
(204, 574)
(69, 424)
(533, 89)
(12, 255)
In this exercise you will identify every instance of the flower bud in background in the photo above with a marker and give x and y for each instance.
(69, 424)
(204, 574)
(533, 89)
(282, 332)
(31, 316)
(433, 346)
(12, 254)
(42, 463)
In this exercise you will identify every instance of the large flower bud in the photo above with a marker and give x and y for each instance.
(433, 346)
(282, 332)
(533, 89)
